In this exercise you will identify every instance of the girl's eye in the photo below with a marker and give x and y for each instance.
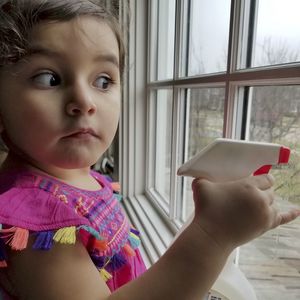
(103, 82)
(47, 79)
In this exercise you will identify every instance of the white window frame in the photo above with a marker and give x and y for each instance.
(135, 154)
(132, 135)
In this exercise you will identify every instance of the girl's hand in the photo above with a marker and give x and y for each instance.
(236, 212)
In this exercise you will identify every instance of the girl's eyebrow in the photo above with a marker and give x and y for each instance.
(102, 57)
(108, 58)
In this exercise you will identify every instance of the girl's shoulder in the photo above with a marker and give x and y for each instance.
(55, 212)
(36, 202)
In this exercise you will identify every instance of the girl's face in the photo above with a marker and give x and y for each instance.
(59, 106)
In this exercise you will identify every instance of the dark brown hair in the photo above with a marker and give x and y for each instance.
(17, 18)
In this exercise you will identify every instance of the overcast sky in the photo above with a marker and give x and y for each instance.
(280, 18)
(277, 19)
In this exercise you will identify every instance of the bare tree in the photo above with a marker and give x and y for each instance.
(206, 117)
(275, 116)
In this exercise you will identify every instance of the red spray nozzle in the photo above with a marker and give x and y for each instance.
(284, 155)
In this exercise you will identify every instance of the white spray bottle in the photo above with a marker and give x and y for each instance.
(226, 160)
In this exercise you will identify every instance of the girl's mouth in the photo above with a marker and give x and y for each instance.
(83, 133)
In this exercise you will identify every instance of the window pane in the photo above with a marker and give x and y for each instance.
(208, 38)
(277, 37)
(205, 118)
(163, 25)
(163, 143)
(272, 262)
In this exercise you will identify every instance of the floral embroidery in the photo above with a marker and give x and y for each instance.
(108, 238)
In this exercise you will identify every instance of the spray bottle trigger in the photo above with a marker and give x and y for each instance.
(284, 156)
(263, 170)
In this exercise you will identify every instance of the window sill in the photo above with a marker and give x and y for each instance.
(156, 236)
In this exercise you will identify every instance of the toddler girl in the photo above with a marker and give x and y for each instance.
(61, 223)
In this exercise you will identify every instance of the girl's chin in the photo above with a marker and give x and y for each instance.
(77, 164)
(67, 162)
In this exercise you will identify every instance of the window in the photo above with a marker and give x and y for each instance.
(232, 69)
(276, 42)
(208, 34)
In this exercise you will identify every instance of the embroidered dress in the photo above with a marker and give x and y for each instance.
(54, 212)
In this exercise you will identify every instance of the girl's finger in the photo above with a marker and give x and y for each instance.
(263, 182)
(287, 217)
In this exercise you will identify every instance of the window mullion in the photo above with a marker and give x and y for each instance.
(234, 35)
(172, 208)
(183, 151)
(176, 71)
(232, 64)
(177, 43)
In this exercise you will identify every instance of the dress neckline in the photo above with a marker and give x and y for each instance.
(33, 178)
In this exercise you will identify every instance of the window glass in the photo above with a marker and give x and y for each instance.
(273, 259)
(163, 142)
(265, 33)
(277, 32)
(208, 36)
(163, 38)
(204, 122)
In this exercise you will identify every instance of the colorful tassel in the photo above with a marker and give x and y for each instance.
(99, 261)
(8, 234)
(101, 245)
(134, 240)
(104, 274)
(119, 197)
(65, 235)
(116, 262)
(91, 230)
(20, 239)
(44, 240)
(134, 231)
(116, 186)
(84, 237)
(128, 250)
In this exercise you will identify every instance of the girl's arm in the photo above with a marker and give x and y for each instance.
(226, 215)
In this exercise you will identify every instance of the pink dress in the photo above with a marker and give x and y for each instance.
(55, 212)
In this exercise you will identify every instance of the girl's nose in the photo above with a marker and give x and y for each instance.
(80, 102)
